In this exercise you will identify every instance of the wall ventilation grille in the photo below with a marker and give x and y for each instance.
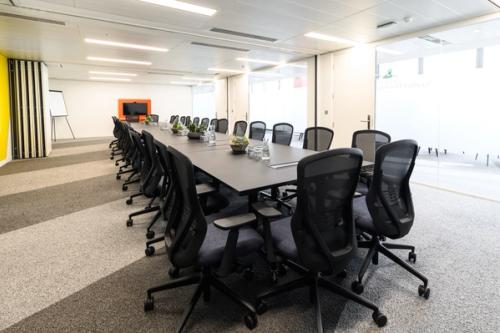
(434, 40)
(220, 46)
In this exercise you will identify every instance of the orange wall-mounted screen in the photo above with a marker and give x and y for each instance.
(122, 101)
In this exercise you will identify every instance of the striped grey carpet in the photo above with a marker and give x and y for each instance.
(91, 273)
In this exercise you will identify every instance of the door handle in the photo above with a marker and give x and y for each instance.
(368, 121)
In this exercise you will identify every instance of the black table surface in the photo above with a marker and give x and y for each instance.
(241, 173)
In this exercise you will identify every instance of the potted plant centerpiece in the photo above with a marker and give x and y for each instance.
(177, 128)
(238, 144)
(195, 132)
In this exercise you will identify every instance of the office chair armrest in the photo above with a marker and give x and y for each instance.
(204, 189)
(235, 222)
(265, 211)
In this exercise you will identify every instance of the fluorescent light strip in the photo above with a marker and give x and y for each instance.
(112, 73)
(125, 45)
(329, 38)
(258, 61)
(110, 79)
(183, 6)
(122, 61)
(225, 70)
(495, 2)
(197, 78)
(182, 83)
(388, 51)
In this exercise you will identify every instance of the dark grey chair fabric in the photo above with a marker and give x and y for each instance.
(369, 141)
(222, 125)
(205, 122)
(282, 133)
(240, 128)
(257, 130)
(196, 121)
(318, 138)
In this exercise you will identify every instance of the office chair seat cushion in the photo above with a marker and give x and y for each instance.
(362, 216)
(212, 249)
(283, 238)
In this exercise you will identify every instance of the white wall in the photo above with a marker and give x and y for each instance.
(353, 88)
(221, 98)
(90, 105)
(238, 99)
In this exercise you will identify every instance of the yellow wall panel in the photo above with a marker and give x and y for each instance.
(4, 108)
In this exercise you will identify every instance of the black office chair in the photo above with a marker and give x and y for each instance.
(257, 130)
(183, 120)
(154, 118)
(387, 209)
(240, 128)
(319, 239)
(282, 133)
(205, 122)
(211, 249)
(151, 174)
(172, 119)
(213, 123)
(113, 145)
(188, 120)
(196, 121)
(318, 138)
(368, 141)
(222, 125)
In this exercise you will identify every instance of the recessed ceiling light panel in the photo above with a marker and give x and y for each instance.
(329, 38)
(109, 79)
(111, 73)
(121, 61)
(125, 45)
(258, 61)
(188, 7)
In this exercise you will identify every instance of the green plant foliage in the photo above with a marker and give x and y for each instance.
(239, 141)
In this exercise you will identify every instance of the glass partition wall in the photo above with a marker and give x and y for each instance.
(278, 95)
(204, 101)
(442, 90)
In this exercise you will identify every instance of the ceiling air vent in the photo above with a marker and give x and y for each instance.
(386, 25)
(434, 40)
(242, 34)
(31, 18)
(220, 46)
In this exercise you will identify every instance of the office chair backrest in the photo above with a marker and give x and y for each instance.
(156, 172)
(318, 138)
(192, 226)
(213, 123)
(172, 119)
(204, 122)
(389, 197)
(282, 133)
(222, 125)
(154, 118)
(188, 120)
(196, 121)
(240, 128)
(171, 203)
(116, 128)
(369, 141)
(322, 225)
(146, 161)
(257, 130)
(183, 120)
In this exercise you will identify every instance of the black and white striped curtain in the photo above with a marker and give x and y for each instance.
(27, 109)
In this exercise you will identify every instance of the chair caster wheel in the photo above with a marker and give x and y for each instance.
(251, 321)
(261, 308)
(129, 201)
(111, 158)
(149, 304)
(173, 272)
(150, 250)
(424, 291)
(412, 257)
(116, 163)
(357, 287)
(342, 275)
(379, 319)
(124, 188)
(130, 222)
(118, 177)
(248, 274)
(281, 270)
(150, 234)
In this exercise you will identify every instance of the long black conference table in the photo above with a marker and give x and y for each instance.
(244, 175)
